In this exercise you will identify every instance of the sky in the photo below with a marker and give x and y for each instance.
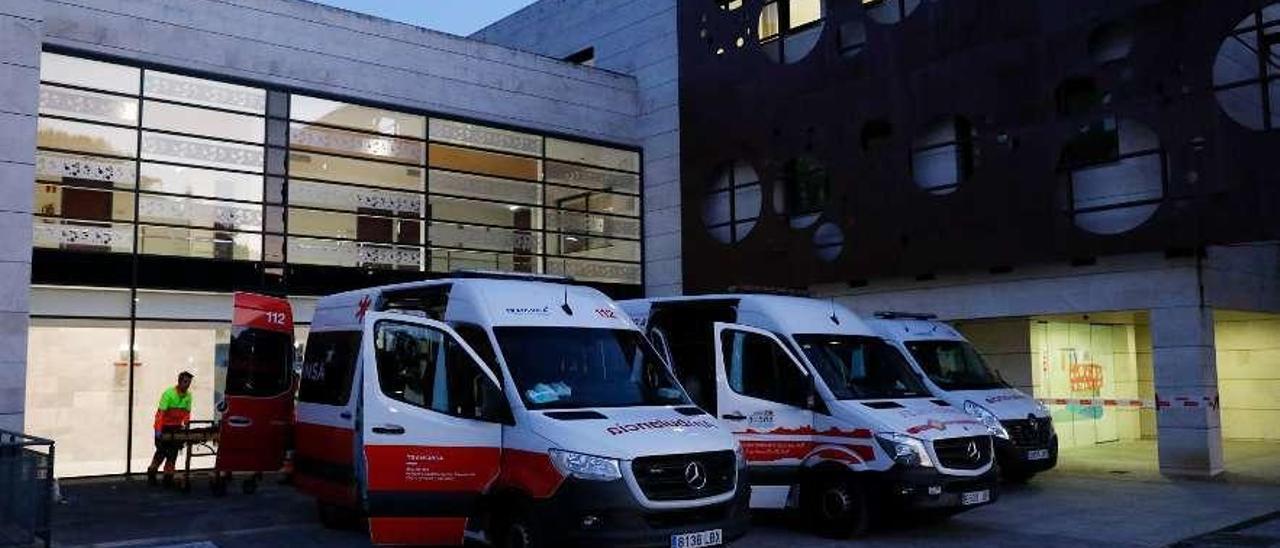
(461, 17)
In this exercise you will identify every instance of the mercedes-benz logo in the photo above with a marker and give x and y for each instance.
(695, 476)
(973, 453)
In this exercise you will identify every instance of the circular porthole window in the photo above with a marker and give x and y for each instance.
(828, 242)
(788, 30)
(801, 191)
(1115, 175)
(1244, 92)
(890, 12)
(732, 204)
(944, 155)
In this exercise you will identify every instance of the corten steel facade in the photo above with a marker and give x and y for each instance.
(1036, 88)
(1084, 186)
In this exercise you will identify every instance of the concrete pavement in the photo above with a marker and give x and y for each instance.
(1056, 509)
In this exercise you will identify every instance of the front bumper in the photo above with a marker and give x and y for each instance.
(927, 489)
(1016, 459)
(589, 513)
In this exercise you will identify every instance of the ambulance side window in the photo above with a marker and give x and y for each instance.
(428, 368)
(758, 367)
(329, 366)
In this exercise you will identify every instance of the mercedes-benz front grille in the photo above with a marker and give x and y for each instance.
(1033, 432)
(963, 453)
(686, 477)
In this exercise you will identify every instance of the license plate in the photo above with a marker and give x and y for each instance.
(975, 497)
(1038, 454)
(698, 540)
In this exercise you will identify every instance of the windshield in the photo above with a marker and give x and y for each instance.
(954, 365)
(574, 367)
(861, 368)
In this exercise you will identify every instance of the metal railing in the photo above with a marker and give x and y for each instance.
(26, 489)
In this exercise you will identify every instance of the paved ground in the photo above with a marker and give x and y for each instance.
(1057, 509)
(1245, 461)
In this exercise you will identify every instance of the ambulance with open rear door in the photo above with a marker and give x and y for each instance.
(832, 419)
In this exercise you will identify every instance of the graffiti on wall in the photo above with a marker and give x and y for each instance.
(1086, 378)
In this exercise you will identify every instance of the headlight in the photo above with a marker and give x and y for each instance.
(741, 456)
(587, 467)
(987, 418)
(904, 449)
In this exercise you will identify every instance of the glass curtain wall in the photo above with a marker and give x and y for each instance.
(142, 161)
(80, 394)
(148, 162)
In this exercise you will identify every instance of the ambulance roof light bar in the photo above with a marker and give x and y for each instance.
(897, 315)
(521, 276)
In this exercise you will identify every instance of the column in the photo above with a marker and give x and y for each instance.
(21, 34)
(1186, 382)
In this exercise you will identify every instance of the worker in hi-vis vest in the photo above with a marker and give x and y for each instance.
(172, 415)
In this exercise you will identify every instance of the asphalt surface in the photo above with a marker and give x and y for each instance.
(1055, 510)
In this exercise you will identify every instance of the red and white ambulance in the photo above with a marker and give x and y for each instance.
(832, 419)
(520, 412)
(1026, 443)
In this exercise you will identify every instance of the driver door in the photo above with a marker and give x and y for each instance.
(765, 399)
(431, 433)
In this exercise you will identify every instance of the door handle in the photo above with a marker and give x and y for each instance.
(240, 422)
(389, 430)
(345, 415)
(734, 417)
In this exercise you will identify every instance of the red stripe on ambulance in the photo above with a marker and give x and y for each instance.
(417, 531)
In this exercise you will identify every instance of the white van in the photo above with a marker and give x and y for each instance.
(832, 419)
(1026, 443)
(518, 412)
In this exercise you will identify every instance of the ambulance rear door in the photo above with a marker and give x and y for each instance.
(256, 407)
(431, 430)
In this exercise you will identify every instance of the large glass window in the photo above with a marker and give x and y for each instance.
(142, 161)
(78, 394)
(199, 191)
(162, 350)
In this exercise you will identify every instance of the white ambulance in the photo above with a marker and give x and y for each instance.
(518, 412)
(1026, 443)
(832, 419)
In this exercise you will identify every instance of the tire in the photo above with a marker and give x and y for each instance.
(835, 508)
(517, 529)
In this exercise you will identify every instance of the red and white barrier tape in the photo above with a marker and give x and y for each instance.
(1178, 402)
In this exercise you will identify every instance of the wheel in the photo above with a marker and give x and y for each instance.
(835, 508)
(518, 530)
